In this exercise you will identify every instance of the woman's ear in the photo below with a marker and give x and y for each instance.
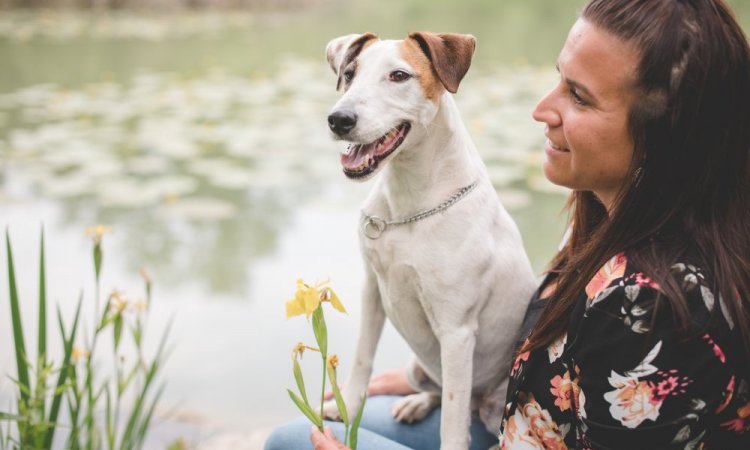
(449, 53)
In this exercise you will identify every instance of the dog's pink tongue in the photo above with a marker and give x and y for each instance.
(356, 157)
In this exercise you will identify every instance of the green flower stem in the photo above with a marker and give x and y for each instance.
(321, 336)
(323, 392)
(355, 423)
(97, 270)
(340, 405)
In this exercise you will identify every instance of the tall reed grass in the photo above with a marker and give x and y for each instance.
(72, 403)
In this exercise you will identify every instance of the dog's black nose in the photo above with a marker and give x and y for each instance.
(342, 122)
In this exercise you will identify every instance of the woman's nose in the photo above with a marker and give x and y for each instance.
(546, 112)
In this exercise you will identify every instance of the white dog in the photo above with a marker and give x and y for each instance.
(444, 260)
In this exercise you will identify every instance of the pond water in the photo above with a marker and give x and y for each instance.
(200, 138)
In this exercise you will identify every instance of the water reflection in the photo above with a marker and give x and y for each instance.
(200, 175)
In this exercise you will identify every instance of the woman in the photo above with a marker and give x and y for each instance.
(643, 341)
(640, 333)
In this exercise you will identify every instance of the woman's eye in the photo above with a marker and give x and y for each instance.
(399, 76)
(577, 99)
(349, 75)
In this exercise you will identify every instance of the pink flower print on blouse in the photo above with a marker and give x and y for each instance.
(532, 428)
(564, 389)
(612, 270)
(633, 400)
(666, 387)
(728, 394)
(671, 383)
(717, 350)
(517, 363)
(742, 423)
(644, 281)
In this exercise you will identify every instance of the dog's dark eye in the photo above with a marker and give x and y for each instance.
(348, 75)
(399, 76)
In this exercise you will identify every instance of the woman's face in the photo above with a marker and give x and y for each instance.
(589, 147)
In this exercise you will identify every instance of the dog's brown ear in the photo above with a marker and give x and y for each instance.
(343, 50)
(449, 53)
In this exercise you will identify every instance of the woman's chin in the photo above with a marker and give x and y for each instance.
(555, 177)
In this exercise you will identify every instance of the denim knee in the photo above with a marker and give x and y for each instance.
(294, 435)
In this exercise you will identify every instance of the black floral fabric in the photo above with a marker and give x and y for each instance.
(621, 380)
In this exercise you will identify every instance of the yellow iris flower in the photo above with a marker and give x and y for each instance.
(300, 348)
(78, 354)
(145, 275)
(307, 299)
(332, 362)
(97, 232)
(118, 302)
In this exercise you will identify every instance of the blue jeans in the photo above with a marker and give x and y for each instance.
(380, 431)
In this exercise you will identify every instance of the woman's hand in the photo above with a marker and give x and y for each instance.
(391, 382)
(325, 441)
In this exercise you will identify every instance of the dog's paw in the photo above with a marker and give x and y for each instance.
(331, 411)
(415, 407)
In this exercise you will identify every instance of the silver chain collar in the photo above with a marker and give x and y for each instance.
(374, 226)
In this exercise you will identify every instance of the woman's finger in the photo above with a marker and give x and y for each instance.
(318, 439)
(325, 441)
(329, 433)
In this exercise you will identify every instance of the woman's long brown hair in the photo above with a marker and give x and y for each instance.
(691, 128)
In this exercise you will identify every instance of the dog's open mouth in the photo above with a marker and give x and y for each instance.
(362, 159)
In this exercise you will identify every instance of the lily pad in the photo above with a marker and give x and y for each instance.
(198, 208)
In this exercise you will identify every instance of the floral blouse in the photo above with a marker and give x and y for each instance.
(613, 382)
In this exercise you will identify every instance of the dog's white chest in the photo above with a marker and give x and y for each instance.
(399, 276)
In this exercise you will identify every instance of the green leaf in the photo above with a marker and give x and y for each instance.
(148, 292)
(306, 410)
(320, 330)
(117, 333)
(65, 369)
(97, 259)
(300, 381)
(355, 424)
(15, 311)
(107, 318)
(124, 383)
(42, 342)
(129, 435)
(337, 395)
(74, 412)
(141, 434)
(8, 416)
(137, 332)
(109, 423)
(42, 331)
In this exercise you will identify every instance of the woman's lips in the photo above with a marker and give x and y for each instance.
(551, 148)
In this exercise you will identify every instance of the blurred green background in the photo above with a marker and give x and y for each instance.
(197, 130)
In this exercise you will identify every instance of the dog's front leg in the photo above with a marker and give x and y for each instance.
(371, 327)
(456, 357)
